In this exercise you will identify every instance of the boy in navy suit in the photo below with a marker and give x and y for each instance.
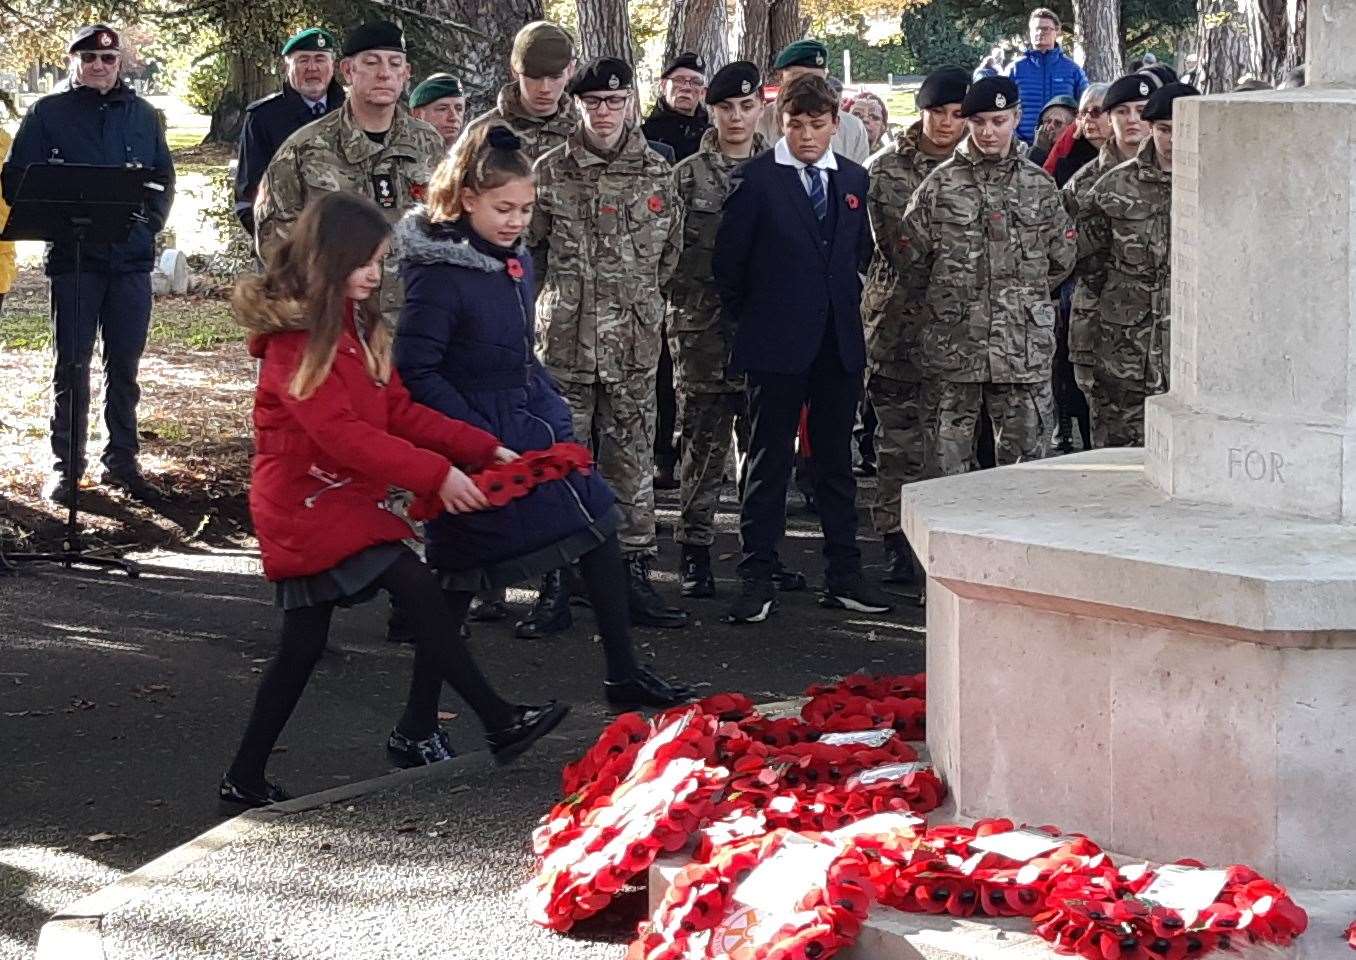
(792, 239)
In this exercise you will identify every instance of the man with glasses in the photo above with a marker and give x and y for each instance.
(309, 91)
(98, 119)
(606, 234)
(536, 104)
(1044, 72)
(678, 117)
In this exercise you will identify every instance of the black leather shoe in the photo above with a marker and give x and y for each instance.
(645, 688)
(698, 580)
(531, 725)
(756, 601)
(647, 606)
(788, 581)
(488, 607)
(551, 613)
(132, 483)
(233, 793)
(864, 469)
(899, 565)
(407, 753)
(856, 595)
(57, 489)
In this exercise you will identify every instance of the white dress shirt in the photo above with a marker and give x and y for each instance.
(782, 154)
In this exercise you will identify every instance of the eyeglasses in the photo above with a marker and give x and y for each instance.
(1093, 112)
(87, 56)
(687, 83)
(594, 104)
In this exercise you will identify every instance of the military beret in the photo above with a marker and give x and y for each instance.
(1068, 103)
(1162, 71)
(687, 60)
(606, 75)
(436, 87)
(803, 53)
(1160, 104)
(738, 79)
(311, 39)
(1131, 87)
(990, 94)
(541, 49)
(942, 86)
(377, 35)
(96, 36)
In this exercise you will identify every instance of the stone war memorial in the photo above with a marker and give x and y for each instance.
(1157, 647)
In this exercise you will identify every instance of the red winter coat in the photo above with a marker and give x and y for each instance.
(322, 466)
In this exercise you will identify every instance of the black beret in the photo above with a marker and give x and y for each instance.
(942, 86)
(1131, 87)
(990, 94)
(606, 75)
(1162, 71)
(96, 36)
(377, 35)
(687, 60)
(311, 39)
(738, 79)
(1160, 104)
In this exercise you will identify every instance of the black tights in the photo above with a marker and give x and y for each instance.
(439, 655)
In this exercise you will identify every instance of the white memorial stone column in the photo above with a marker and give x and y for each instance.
(1262, 411)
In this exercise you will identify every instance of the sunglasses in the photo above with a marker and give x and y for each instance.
(108, 58)
(1093, 112)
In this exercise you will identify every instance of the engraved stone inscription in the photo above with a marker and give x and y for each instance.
(1260, 466)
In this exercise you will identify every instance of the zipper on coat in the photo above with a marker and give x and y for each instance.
(331, 481)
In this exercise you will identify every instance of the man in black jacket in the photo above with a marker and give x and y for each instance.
(678, 117)
(309, 92)
(792, 239)
(98, 120)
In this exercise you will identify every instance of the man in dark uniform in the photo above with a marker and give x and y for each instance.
(98, 119)
(309, 92)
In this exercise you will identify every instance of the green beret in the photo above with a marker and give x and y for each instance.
(803, 53)
(435, 88)
(312, 38)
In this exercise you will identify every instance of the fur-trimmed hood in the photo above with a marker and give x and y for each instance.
(419, 240)
(262, 315)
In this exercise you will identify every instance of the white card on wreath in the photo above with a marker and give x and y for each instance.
(776, 885)
(1021, 845)
(858, 738)
(890, 771)
(1184, 888)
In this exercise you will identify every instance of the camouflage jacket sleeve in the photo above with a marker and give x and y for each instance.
(1063, 244)
(682, 189)
(884, 205)
(1094, 240)
(279, 200)
(911, 254)
(539, 230)
(673, 243)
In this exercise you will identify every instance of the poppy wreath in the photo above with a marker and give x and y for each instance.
(875, 688)
(505, 482)
(1103, 915)
(700, 916)
(615, 747)
(836, 711)
(1351, 935)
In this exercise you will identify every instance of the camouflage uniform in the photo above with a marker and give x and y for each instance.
(709, 402)
(988, 239)
(606, 235)
(539, 134)
(335, 154)
(1082, 181)
(1120, 317)
(893, 321)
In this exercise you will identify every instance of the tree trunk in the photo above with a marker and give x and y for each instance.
(604, 30)
(751, 33)
(785, 26)
(1276, 32)
(482, 62)
(698, 25)
(251, 78)
(1097, 39)
(1223, 45)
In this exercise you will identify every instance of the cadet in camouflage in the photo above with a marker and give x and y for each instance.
(988, 238)
(536, 105)
(1124, 280)
(709, 400)
(606, 234)
(894, 318)
(338, 152)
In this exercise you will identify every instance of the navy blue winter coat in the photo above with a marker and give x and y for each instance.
(1040, 77)
(78, 125)
(464, 348)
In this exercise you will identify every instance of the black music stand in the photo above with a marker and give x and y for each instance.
(76, 204)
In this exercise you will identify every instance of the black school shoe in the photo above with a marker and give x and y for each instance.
(406, 753)
(645, 688)
(233, 793)
(858, 595)
(531, 725)
(756, 602)
(133, 484)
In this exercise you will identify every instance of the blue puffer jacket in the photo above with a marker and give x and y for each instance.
(78, 125)
(464, 348)
(1040, 78)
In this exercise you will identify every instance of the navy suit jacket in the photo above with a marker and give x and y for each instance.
(780, 279)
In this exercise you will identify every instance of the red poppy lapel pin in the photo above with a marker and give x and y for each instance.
(852, 201)
(514, 267)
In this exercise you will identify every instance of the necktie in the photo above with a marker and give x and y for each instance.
(317, 109)
(817, 198)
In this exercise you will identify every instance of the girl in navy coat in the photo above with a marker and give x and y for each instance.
(464, 348)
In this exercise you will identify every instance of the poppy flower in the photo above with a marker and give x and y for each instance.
(655, 203)
(418, 192)
(852, 201)
(514, 267)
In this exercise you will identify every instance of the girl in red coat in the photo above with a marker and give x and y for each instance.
(335, 430)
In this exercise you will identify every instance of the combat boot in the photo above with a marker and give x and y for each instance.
(899, 564)
(551, 613)
(647, 606)
(698, 580)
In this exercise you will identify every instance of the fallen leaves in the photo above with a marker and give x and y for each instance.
(106, 837)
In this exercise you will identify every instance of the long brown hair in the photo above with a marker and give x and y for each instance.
(488, 157)
(334, 236)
